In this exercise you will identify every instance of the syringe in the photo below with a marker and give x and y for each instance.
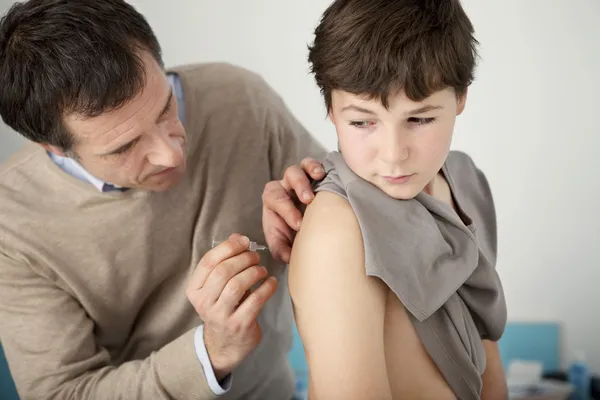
(252, 247)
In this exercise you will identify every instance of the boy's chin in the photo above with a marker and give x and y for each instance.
(400, 192)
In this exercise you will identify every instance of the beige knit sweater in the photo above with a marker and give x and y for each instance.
(92, 302)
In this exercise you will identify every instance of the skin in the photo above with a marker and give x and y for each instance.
(409, 140)
(403, 140)
(142, 145)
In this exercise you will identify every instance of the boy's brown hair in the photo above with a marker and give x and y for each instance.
(378, 47)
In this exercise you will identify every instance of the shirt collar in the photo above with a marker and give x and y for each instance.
(74, 168)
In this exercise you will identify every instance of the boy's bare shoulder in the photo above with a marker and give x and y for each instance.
(329, 240)
(328, 214)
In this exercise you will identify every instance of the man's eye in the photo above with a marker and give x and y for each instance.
(125, 148)
(421, 121)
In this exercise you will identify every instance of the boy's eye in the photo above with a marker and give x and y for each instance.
(362, 124)
(421, 121)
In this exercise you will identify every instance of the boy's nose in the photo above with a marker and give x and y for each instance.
(394, 148)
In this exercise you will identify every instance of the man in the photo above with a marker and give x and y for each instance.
(109, 288)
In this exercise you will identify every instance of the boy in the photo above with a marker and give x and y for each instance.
(402, 232)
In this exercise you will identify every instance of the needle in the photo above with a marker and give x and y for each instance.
(253, 245)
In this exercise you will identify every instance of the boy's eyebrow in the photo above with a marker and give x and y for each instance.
(423, 109)
(416, 111)
(352, 107)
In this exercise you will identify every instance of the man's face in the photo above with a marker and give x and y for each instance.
(140, 145)
(399, 149)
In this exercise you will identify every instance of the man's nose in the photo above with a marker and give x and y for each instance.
(167, 150)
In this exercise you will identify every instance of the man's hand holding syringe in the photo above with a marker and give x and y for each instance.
(220, 291)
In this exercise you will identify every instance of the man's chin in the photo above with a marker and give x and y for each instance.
(164, 182)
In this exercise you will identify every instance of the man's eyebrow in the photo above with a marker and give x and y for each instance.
(424, 109)
(165, 109)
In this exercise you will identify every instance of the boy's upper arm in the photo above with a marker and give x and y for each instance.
(339, 309)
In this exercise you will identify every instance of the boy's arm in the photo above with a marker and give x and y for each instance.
(339, 310)
(494, 379)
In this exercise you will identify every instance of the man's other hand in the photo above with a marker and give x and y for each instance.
(283, 205)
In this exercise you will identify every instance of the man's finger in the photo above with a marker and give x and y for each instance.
(284, 252)
(245, 296)
(275, 227)
(248, 310)
(279, 236)
(238, 286)
(296, 178)
(236, 244)
(225, 272)
(276, 199)
(281, 249)
(313, 168)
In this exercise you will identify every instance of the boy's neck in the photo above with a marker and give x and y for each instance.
(440, 189)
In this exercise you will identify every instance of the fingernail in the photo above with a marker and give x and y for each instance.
(306, 195)
(245, 241)
(318, 170)
(298, 224)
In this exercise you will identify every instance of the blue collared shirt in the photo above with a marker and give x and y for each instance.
(75, 169)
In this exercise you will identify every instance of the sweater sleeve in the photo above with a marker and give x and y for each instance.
(49, 344)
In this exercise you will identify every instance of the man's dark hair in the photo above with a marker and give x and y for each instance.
(69, 56)
(375, 48)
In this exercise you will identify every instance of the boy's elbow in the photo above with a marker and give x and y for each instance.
(494, 386)
(494, 379)
(499, 393)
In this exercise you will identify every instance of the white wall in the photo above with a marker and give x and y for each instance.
(531, 124)
(9, 140)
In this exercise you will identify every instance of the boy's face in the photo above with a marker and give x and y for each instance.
(400, 149)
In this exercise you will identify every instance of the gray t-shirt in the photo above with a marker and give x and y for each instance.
(438, 261)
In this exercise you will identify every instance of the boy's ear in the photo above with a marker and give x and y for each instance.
(331, 117)
(462, 102)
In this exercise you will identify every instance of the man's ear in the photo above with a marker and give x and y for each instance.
(53, 149)
(462, 102)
